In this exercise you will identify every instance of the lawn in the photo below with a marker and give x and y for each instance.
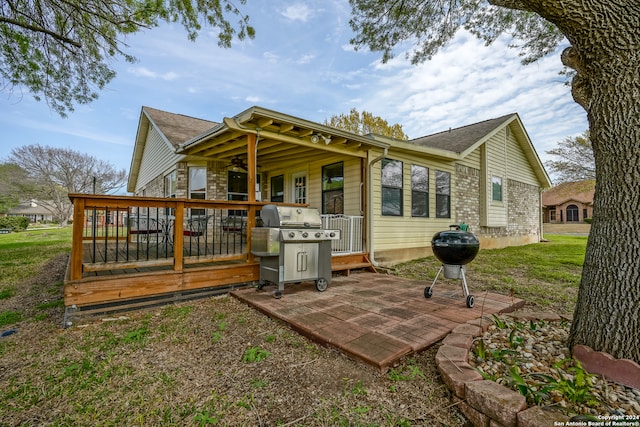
(546, 275)
(218, 362)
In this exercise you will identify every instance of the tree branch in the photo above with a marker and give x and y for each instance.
(41, 30)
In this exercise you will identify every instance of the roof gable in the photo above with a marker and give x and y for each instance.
(580, 191)
(177, 128)
(460, 140)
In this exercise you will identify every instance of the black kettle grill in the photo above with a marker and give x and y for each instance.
(455, 248)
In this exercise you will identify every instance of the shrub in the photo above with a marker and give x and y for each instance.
(14, 223)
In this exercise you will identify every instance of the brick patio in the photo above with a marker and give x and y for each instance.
(374, 317)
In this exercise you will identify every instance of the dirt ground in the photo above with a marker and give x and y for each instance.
(213, 361)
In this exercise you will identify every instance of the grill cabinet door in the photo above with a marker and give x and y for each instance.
(300, 261)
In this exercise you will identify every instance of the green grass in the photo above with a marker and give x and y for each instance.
(217, 362)
(23, 254)
(546, 275)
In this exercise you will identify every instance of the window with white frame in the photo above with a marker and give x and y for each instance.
(443, 194)
(170, 184)
(496, 188)
(419, 191)
(197, 187)
(391, 187)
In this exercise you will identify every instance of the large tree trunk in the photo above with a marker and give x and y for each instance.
(606, 54)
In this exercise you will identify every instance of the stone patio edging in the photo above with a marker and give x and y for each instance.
(488, 404)
(483, 402)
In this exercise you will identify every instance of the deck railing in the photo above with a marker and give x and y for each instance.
(351, 233)
(121, 232)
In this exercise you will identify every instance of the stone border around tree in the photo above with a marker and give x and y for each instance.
(483, 402)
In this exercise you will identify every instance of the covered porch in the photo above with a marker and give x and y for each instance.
(136, 251)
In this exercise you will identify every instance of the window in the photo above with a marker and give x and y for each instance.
(237, 189)
(443, 194)
(277, 188)
(552, 213)
(585, 214)
(170, 184)
(496, 189)
(333, 189)
(237, 186)
(419, 191)
(197, 187)
(300, 188)
(391, 187)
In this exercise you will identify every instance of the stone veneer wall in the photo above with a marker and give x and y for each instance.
(523, 206)
(467, 190)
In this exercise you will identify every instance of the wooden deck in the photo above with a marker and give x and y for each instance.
(116, 266)
(151, 284)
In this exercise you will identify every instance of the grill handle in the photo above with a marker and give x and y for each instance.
(302, 261)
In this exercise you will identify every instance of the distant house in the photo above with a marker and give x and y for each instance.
(35, 210)
(487, 175)
(568, 202)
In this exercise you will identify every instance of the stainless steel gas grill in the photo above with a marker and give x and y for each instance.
(292, 247)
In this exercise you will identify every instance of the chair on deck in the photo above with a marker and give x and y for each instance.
(143, 229)
(234, 224)
(196, 230)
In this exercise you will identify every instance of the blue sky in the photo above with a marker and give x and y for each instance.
(300, 63)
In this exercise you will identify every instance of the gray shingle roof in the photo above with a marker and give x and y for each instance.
(178, 128)
(462, 138)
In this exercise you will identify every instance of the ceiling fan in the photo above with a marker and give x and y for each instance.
(238, 162)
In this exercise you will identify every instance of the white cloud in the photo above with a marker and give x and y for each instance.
(271, 57)
(145, 72)
(297, 12)
(306, 59)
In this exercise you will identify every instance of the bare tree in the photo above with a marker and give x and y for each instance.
(575, 161)
(57, 172)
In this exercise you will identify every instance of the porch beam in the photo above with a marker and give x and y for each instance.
(286, 127)
(224, 147)
(264, 122)
(308, 144)
(212, 144)
(251, 184)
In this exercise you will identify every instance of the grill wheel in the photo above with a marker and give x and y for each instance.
(321, 284)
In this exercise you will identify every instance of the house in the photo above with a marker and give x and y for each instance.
(569, 202)
(399, 193)
(35, 210)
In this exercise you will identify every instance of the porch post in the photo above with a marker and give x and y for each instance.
(178, 236)
(251, 187)
(75, 265)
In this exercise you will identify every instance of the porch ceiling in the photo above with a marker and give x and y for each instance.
(279, 137)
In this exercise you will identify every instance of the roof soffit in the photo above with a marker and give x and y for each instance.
(279, 137)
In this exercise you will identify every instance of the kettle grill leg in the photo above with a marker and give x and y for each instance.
(428, 291)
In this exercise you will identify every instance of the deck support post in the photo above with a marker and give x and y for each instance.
(252, 180)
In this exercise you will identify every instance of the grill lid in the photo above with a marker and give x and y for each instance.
(455, 247)
(290, 217)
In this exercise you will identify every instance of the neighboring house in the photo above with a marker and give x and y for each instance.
(32, 209)
(569, 202)
(487, 175)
